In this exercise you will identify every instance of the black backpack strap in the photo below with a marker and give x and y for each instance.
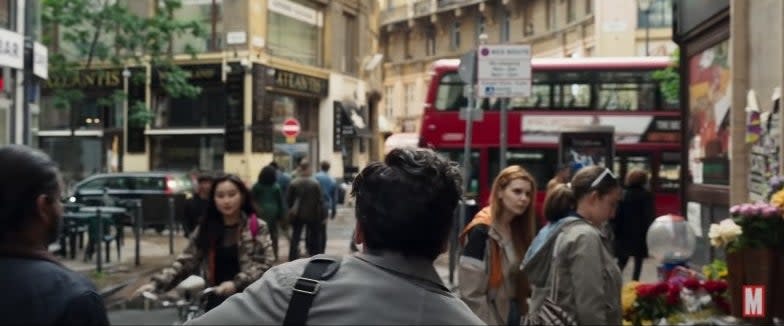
(318, 269)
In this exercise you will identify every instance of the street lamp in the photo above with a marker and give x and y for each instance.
(125, 74)
(645, 7)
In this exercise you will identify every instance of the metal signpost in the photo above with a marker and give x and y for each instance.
(467, 73)
(504, 71)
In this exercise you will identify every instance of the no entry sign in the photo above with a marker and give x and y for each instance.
(291, 128)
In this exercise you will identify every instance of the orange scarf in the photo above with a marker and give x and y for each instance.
(484, 217)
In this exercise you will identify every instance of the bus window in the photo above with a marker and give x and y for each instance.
(540, 163)
(450, 93)
(625, 91)
(539, 99)
(669, 171)
(573, 96)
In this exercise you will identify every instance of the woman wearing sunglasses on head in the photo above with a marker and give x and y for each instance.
(570, 260)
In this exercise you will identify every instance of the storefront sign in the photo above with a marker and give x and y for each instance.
(11, 49)
(298, 82)
(40, 60)
(87, 79)
(198, 73)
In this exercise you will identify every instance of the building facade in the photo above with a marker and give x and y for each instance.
(262, 62)
(22, 68)
(415, 33)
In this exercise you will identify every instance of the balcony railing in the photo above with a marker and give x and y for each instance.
(395, 14)
(449, 4)
(423, 7)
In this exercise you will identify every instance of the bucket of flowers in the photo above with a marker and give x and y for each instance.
(753, 239)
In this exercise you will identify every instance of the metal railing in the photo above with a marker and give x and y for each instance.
(395, 14)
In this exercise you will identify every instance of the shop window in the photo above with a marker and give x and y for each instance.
(187, 152)
(669, 171)
(77, 157)
(208, 109)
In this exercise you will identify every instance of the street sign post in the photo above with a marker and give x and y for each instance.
(504, 71)
(291, 130)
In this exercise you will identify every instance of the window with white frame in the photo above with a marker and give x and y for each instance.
(389, 102)
(410, 99)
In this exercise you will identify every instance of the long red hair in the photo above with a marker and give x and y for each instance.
(523, 226)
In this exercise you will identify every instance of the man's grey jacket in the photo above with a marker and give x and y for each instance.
(384, 288)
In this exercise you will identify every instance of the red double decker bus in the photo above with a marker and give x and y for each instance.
(566, 93)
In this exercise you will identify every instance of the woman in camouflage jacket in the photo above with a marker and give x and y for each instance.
(230, 249)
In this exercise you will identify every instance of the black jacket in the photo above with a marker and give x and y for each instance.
(35, 289)
(634, 215)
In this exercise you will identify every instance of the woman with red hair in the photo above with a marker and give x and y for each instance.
(494, 243)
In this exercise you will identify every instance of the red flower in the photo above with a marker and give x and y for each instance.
(691, 284)
(660, 288)
(715, 286)
(645, 290)
(673, 295)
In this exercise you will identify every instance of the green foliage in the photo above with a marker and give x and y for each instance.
(670, 79)
(107, 32)
(139, 115)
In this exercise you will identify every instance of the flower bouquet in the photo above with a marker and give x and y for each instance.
(674, 301)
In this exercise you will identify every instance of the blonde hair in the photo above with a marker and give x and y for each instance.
(523, 226)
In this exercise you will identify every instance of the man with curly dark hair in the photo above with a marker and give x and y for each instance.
(404, 209)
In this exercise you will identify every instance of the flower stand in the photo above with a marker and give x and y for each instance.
(757, 266)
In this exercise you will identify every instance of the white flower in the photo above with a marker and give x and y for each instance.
(723, 233)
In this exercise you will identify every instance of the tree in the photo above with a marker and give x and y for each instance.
(670, 79)
(88, 33)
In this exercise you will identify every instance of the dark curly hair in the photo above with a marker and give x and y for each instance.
(406, 203)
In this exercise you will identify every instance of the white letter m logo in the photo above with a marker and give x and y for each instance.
(753, 301)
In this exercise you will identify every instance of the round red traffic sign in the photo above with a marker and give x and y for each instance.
(291, 127)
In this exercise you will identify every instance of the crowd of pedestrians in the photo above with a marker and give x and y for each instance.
(404, 208)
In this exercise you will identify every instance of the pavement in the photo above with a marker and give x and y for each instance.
(121, 278)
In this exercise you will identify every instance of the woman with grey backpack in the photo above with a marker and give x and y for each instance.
(573, 275)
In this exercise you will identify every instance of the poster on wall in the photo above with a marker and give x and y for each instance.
(764, 154)
(587, 147)
(709, 107)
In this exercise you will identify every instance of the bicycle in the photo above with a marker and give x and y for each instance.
(187, 308)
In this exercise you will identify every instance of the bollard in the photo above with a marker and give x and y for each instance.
(171, 225)
(98, 242)
(138, 230)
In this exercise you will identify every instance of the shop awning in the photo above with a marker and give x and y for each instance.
(353, 115)
(401, 140)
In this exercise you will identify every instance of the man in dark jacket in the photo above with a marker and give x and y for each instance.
(36, 289)
(306, 209)
(196, 206)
